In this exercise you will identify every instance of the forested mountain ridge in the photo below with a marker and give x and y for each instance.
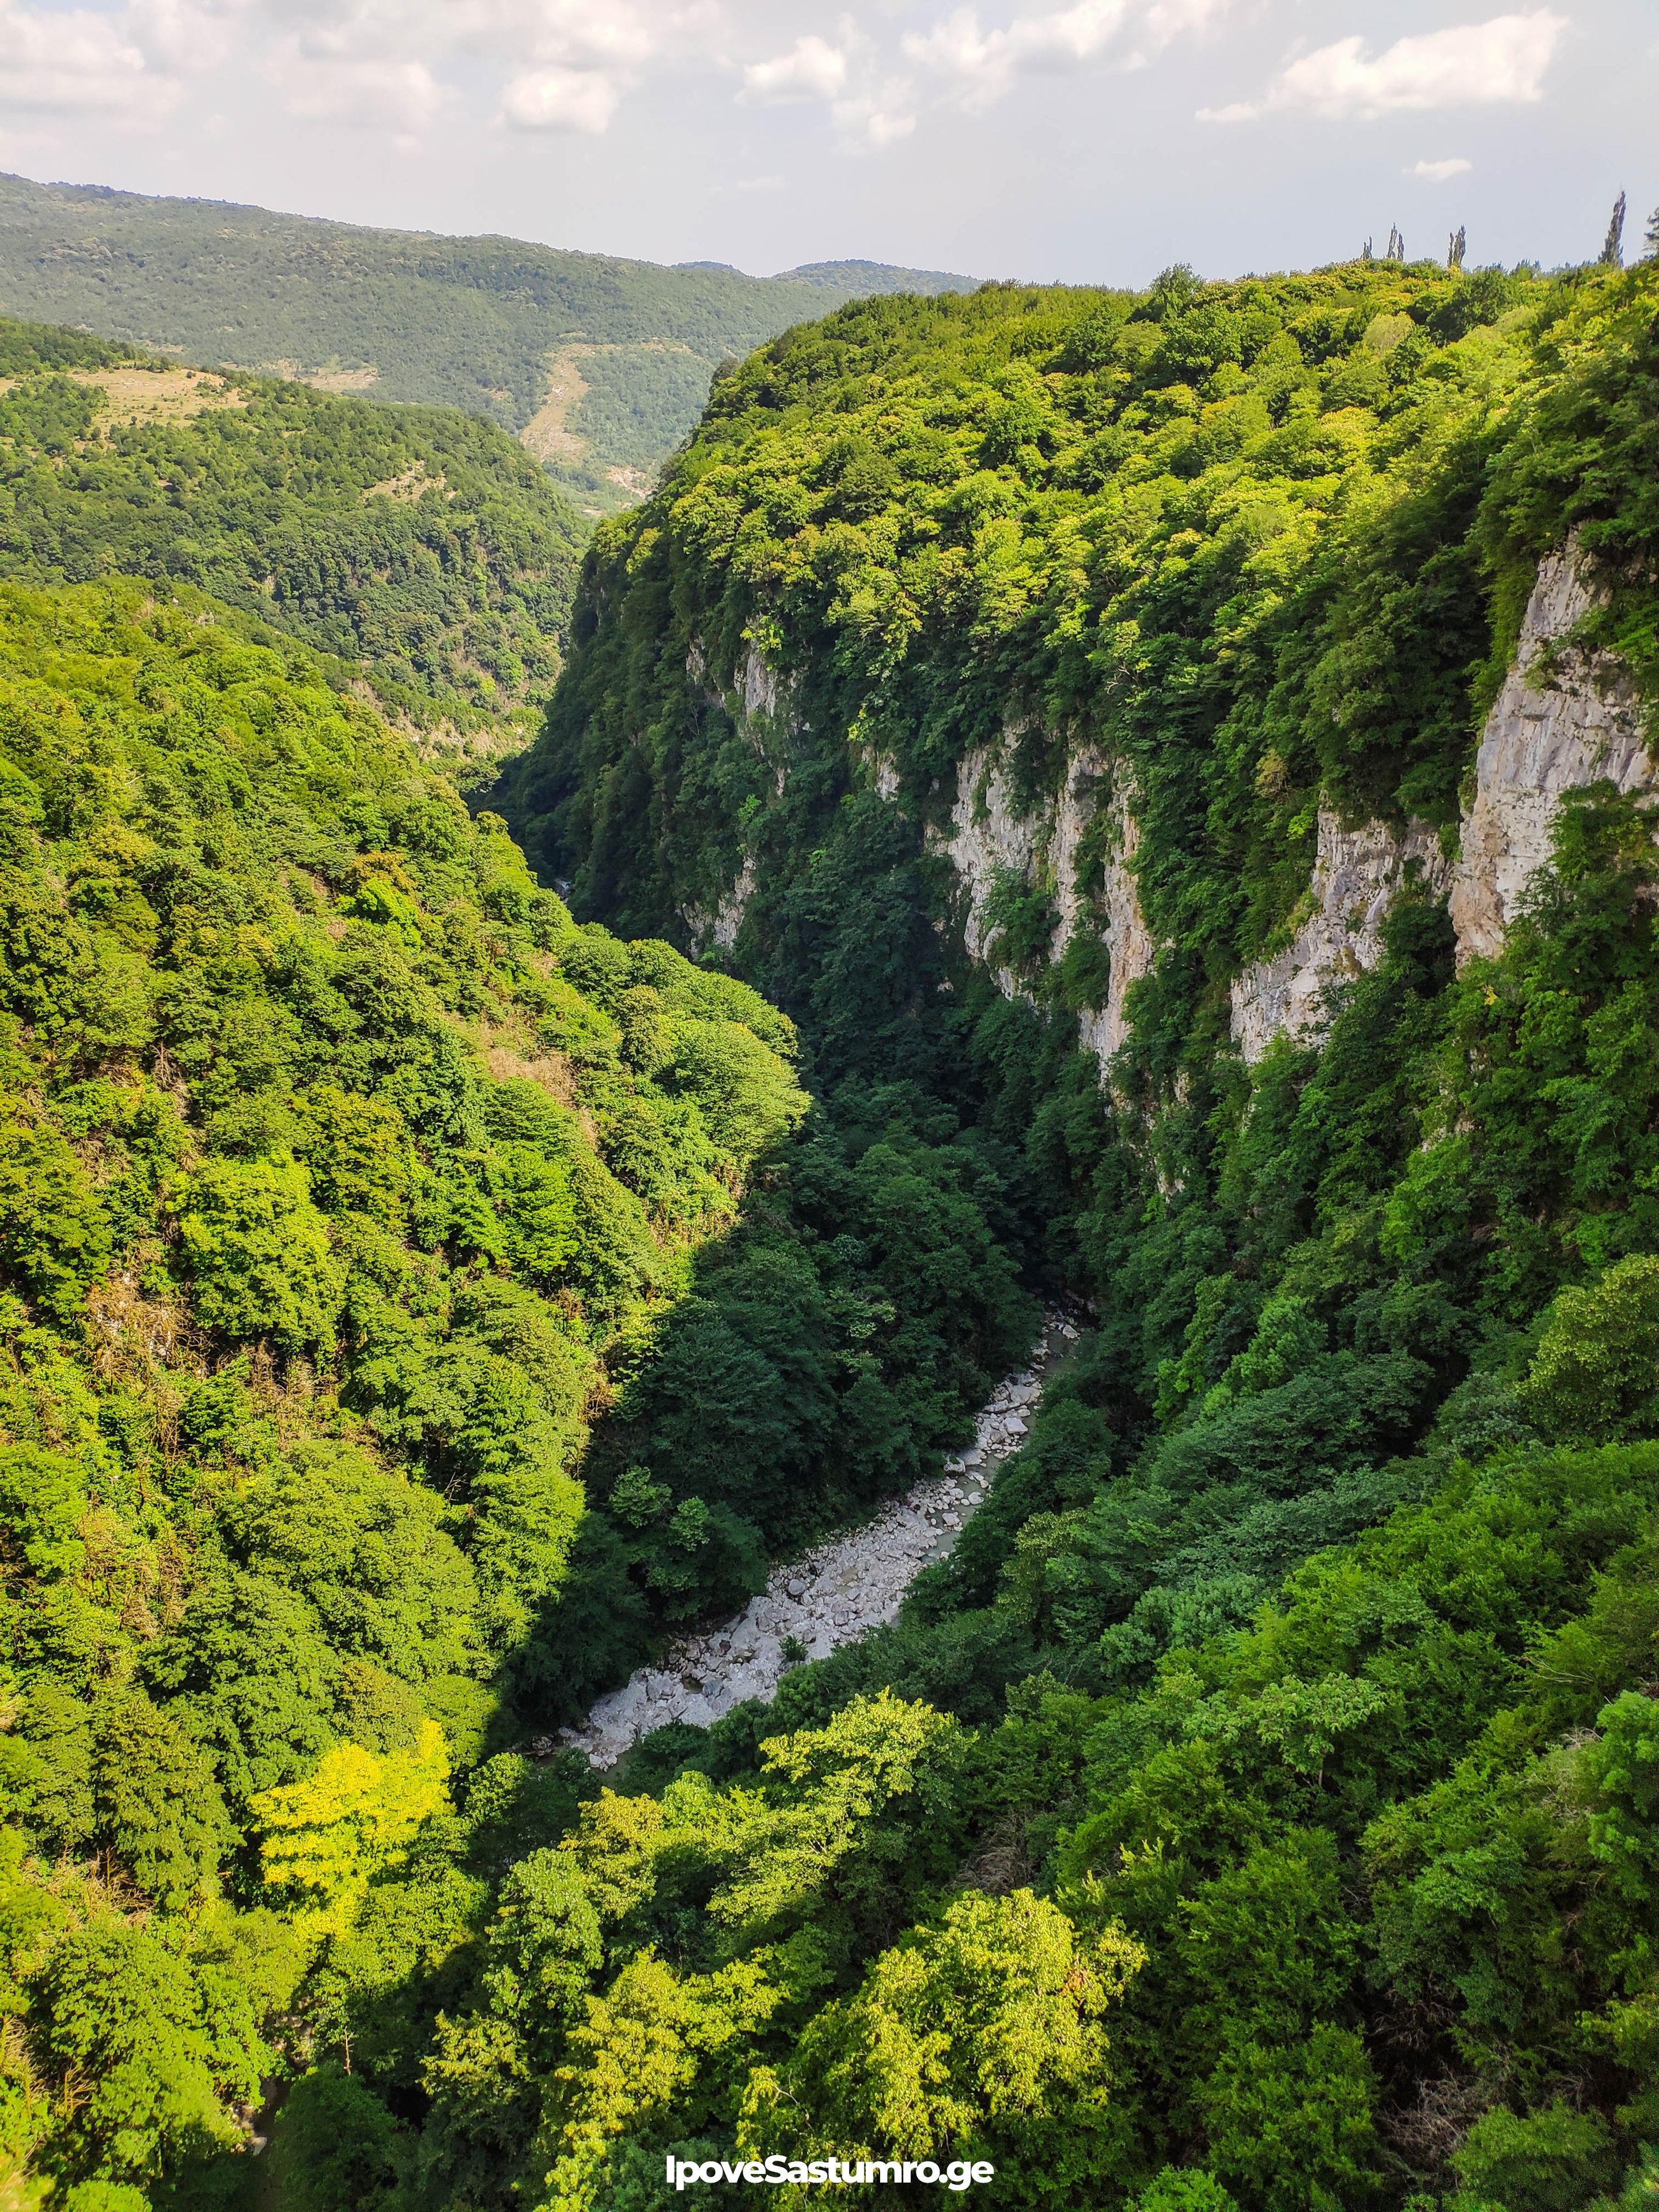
(420, 548)
(1116, 733)
(1203, 735)
(343, 1183)
(602, 363)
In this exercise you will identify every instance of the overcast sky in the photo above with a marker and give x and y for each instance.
(1095, 141)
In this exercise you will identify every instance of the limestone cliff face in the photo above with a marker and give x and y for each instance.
(721, 924)
(1357, 874)
(760, 703)
(1553, 729)
(1128, 941)
(1540, 740)
(988, 836)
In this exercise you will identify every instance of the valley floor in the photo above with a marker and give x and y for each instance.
(830, 1597)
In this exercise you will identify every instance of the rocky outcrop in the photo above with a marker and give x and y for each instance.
(828, 1598)
(1356, 875)
(1542, 739)
(1562, 719)
(1129, 943)
(760, 703)
(759, 687)
(722, 926)
(989, 835)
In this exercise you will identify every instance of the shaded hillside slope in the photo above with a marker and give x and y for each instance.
(345, 1185)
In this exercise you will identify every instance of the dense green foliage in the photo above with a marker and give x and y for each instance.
(422, 547)
(419, 1303)
(1285, 1823)
(451, 322)
(343, 1182)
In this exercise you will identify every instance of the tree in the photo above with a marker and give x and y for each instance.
(1289, 2126)
(1554, 2161)
(543, 1945)
(258, 1253)
(1650, 237)
(1455, 245)
(332, 2144)
(1595, 1374)
(160, 1808)
(1612, 255)
(155, 2049)
(354, 1818)
(982, 2037)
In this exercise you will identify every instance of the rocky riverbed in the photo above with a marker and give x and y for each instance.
(829, 1596)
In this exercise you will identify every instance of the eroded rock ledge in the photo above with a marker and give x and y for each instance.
(1541, 741)
(1358, 874)
(988, 836)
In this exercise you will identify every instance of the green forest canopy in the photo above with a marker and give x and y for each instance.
(419, 547)
(451, 322)
(343, 1182)
(1267, 1893)
(420, 1302)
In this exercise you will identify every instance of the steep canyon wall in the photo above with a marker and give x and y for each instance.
(1564, 718)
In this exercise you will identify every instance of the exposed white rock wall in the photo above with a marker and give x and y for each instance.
(762, 705)
(988, 835)
(728, 915)
(1542, 739)
(831, 1596)
(758, 685)
(882, 770)
(1357, 874)
(1540, 742)
(720, 926)
(1128, 941)
(1088, 774)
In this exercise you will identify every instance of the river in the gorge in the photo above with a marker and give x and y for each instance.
(830, 1595)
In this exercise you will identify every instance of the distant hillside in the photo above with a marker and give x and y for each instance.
(417, 547)
(600, 366)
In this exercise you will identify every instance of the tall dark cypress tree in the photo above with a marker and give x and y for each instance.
(1612, 246)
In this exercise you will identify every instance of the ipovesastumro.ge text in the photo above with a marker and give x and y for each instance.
(960, 2174)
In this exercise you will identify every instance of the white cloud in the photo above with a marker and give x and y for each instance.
(78, 62)
(1503, 61)
(397, 96)
(876, 119)
(604, 35)
(175, 37)
(1438, 173)
(1126, 34)
(562, 64)
(812, 70)
(560, 100)
(868, 110)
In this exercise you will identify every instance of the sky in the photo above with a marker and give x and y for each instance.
(1096, 142)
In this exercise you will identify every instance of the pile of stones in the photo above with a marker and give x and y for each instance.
(830, 1595)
